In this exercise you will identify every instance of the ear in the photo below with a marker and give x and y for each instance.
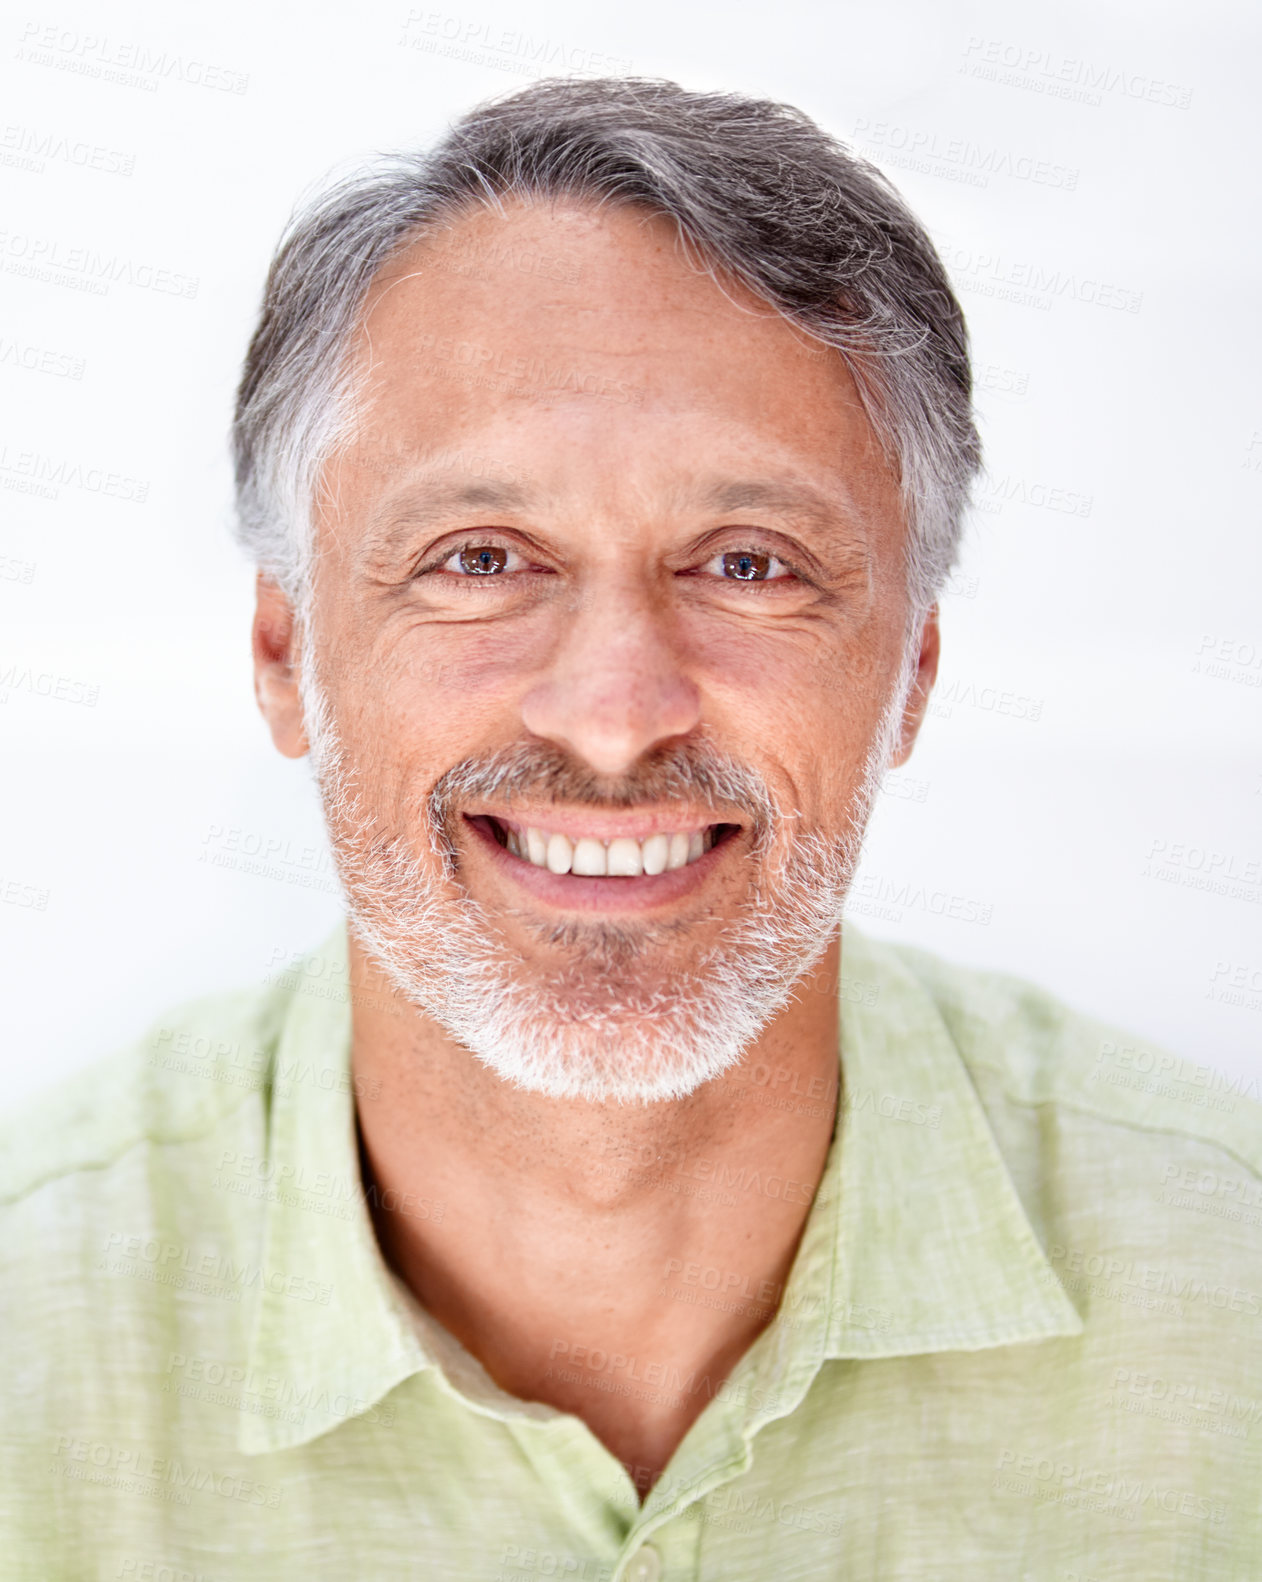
(918, 698)
(275, 668)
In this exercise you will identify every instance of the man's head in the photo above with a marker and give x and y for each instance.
(603, 467)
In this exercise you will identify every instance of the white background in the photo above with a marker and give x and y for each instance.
(1039, 145)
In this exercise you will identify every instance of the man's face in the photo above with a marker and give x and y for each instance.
(607, 612)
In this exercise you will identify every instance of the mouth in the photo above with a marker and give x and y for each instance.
(615, 857)
(605, 862)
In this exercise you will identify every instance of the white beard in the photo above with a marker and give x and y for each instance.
(594, 1029)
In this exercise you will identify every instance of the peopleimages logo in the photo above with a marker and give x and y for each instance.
(211, 1272)
(33, 472)
(524, 54)
(245, 1388)
(84, 269)
(1031, 283)
(1065, 76)
(129, 64)
(46, 684)
(1204, 868)
(1047, 1478)
(992, 492)
(39, 359)
(884, 896)
(138, 1470)
(29, 148)
(1130, 1274)
(957, 158)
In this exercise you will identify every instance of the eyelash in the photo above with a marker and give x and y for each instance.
(482, 541)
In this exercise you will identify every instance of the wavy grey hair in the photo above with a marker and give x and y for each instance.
(756, 191)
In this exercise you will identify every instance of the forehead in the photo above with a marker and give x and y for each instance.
(550, 331)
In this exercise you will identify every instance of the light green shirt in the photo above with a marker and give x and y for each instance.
(1022, 1337)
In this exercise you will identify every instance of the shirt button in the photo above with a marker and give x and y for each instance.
(646, 1565)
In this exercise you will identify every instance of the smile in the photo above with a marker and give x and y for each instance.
(620, 856)
(599, 861)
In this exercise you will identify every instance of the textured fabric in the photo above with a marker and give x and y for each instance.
(1021, 1338)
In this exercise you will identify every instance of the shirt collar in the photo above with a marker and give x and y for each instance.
(934, 1251)
(917, 1241)
(329, 1328)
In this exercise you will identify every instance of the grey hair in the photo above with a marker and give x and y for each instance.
(756, 191)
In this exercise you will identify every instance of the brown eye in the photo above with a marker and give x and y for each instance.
(482, 560)
(747, 565)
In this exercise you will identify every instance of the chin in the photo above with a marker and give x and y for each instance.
(607, 1058)
(612, 1024)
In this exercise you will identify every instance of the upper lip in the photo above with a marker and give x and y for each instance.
(636, 824)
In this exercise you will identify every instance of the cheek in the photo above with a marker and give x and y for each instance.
(475, 665)
(802, 705)
(807, 681)
(432, 691)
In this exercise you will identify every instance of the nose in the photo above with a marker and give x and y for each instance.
(615, 687)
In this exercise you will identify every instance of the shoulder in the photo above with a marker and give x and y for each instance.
(124, 1245)
(1139, 1170)
(116, 1218)
(194, 1067)
(1026, 1048)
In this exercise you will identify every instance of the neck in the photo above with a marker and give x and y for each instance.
(570, 1228)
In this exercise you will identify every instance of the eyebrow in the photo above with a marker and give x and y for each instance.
(431, 504)
(786, 498)
(423, 505)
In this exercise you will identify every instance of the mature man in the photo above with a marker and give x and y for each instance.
(602, 467)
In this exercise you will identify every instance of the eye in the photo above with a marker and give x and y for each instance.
(748, 565)
(482, 560)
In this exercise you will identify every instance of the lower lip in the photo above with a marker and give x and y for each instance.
(578, 893)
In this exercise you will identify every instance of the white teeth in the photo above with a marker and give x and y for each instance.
(625, 859)
(560, 854)
(589, 858)
(656, 853)
(678, 857)
(622, 857)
